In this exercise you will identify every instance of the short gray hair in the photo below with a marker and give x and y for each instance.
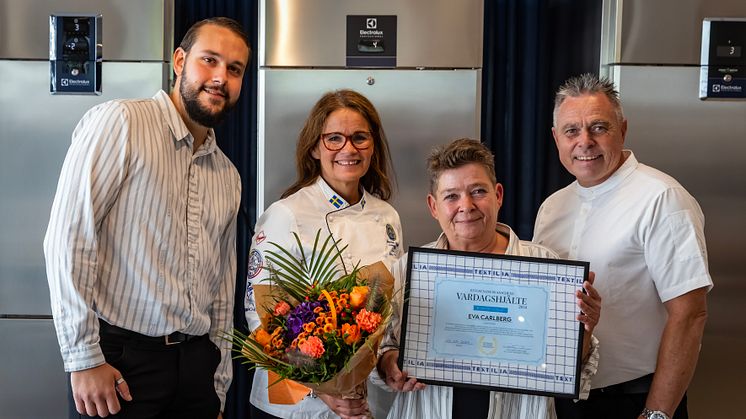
(456, 154)
(587, 84)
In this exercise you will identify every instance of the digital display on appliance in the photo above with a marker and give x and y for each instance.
(731, 51)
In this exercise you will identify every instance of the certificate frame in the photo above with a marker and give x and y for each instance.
(449, 349)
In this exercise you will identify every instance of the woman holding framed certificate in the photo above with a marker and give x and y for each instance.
(465, 199)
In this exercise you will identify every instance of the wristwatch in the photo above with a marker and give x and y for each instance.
(653, 414)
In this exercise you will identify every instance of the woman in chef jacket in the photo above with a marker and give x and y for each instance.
(344, 180)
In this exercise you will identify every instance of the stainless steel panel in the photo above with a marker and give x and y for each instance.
(35, 130)
(419, 109)
(431, 33)
(33, 380)
(134, 30)
(667, 31)
(700, 143)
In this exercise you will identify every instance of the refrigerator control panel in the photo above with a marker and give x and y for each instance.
(722, 72)
(75, 54)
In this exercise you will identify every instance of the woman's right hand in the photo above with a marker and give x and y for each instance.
(346, 408)
(393, 376)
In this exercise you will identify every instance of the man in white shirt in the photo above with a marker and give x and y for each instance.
(643, 234)
(140, 248)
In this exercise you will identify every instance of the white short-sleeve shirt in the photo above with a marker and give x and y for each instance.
(643, 234)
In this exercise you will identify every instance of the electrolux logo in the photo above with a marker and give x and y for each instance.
(371, 23)
(718, 88)
(74, 82)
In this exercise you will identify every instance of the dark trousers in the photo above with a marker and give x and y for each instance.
(470, 403)
(620, 401)
(257, 413)
(165, 381)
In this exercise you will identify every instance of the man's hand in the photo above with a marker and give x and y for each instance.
(589, 303)
(95, 390)
(394, 377)
(590, 311)
(346, 408)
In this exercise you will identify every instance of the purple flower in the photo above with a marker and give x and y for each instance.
(294, 325)
(300, 315)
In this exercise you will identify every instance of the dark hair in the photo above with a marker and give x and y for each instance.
(587, 84)
(224, 22)
(377, 180)
(456, 154)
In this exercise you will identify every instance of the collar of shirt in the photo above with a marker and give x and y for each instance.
(616, 178)
(500, 228)
(177, 126)
(335, 201)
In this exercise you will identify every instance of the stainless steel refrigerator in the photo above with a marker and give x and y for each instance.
(652, 49)
(35, 130)
(425, 84)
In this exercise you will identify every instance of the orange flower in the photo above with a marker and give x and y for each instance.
(312, 347)
(277, 332)
(328, 328)
(367, 320)
(282, 308)
(308, 327)
(278, 343)
(262, 337)
(351, 333)
(358, 296)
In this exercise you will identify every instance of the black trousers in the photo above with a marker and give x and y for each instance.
(470, 403)
(165, 381)
(257, 413)
(620, 401)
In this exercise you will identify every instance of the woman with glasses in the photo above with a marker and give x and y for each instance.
(344, 180)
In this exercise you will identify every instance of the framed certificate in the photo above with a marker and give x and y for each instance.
(496, 322)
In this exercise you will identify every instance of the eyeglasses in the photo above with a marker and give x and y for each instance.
(335, 141)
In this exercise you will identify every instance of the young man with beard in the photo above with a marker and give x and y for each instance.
(140, 248)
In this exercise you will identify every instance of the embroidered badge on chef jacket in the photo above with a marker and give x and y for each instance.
(260, 237)
(390, 232)
(336, 201)
(250, 304)
(255, 263)
(392, 243)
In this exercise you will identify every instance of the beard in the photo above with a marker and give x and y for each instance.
(196, 111)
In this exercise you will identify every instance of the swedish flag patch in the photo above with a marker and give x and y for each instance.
(336, 201)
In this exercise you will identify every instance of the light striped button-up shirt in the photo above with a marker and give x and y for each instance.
(142, 232)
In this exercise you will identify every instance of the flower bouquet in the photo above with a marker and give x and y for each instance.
(320, 328)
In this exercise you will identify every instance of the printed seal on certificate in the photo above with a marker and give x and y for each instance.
(497, 322)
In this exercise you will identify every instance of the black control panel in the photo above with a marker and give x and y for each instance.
(723, 60)
(75, 54)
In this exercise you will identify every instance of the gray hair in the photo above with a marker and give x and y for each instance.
(587, 84)
(456, 154)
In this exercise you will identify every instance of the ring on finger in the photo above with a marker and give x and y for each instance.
(119, 380)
